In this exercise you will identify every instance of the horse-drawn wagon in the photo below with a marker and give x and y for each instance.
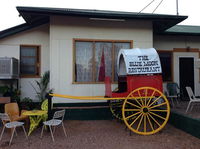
(139, 100)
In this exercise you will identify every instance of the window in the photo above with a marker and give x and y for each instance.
(29, 61)
(95, 59)
(166, 63)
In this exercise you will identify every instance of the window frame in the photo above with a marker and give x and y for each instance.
(37, 64)
(172, 63)
(93, 42)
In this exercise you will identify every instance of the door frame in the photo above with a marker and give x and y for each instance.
(181, 54)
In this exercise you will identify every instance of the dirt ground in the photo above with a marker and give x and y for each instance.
(101, 134)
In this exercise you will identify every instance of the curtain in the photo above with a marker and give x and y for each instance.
(84, 62)
(103, 60)
(94, 60)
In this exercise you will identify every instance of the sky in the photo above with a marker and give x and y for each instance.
(9, 16)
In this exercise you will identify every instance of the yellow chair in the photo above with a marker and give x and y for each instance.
(44, 107)
(12, 109)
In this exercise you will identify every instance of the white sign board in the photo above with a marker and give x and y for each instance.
(138, 61)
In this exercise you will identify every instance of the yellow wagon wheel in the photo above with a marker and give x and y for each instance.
(116, 108)
(145, 111)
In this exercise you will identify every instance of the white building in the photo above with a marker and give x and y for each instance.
(69, 43)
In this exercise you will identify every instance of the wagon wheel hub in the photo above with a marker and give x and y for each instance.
(145, 110)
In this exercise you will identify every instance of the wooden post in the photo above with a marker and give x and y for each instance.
(50, 113)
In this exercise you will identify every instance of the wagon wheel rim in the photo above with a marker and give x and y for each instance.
(116, 108)
(145, 111)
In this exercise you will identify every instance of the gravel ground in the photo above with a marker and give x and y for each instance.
(101, 134)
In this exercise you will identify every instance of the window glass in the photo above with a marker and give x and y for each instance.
(29, 60)
(28, 70)
(28, 51)
(96, 59)
(84, 62)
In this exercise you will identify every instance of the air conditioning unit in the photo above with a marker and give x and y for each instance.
(9, 68)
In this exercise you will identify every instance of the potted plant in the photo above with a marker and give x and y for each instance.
(42, 87)
(26, 104)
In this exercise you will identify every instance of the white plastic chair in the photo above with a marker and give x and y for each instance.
(191, 97)
(12, 125)
(57, 120)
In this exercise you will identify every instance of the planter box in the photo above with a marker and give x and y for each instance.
(4, 100)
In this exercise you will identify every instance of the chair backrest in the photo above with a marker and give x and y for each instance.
(190, 93)
(172, 88)
(44, 105)
(12, 109)
(4, 117)
(59, 114)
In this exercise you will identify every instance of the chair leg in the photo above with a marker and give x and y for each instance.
(192, 105)
(188, 107)
(2, 132)
(51, 133)
(42, 131)
(177, 101)
(15, 131)
(25, 132)
(172, 102)
(64, 129)
(12, 136)
(54, 128)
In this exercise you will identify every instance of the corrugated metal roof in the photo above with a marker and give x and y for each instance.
(184, 30)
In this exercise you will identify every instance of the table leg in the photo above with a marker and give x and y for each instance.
(34, 122)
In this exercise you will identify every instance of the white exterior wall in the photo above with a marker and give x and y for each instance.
(170, 42)
(10, 47)
(62, 32)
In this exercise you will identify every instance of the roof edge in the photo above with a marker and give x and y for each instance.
(19, 28)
